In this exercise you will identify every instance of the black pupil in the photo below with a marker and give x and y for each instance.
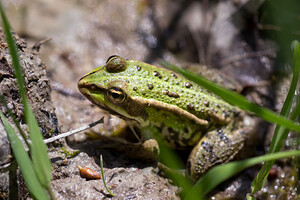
(115, 95)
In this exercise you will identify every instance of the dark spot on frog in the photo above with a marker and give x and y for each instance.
(127, 81)
(188, 85)
(150, 86)
(190, 106)
(218, 106)
(138, 67)
(206, 103)
(166, 79)
(236, 113)
(156, 73)
(174, 75)
(170, 94)
(163, 115)
(212, 157)
(214, 111)
(135, 89)
(207, 146)
(173, 94)
(222, 136)
(225, 114)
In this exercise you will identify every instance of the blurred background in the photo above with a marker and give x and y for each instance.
(248, 40)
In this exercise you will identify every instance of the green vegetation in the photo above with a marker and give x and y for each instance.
(36, 172)
(221, 173)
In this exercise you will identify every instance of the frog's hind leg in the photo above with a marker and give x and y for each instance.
(214, 148)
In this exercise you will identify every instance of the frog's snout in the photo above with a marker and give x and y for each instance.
(82, 85)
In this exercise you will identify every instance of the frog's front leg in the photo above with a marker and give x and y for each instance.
(216, 147)
(150, 145)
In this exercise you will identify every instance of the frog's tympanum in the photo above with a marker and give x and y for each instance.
(159, 101)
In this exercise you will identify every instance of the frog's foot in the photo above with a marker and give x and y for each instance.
(151, 149)
(214, 148)
(147, 151)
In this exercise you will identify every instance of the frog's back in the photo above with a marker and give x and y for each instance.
(148, 82)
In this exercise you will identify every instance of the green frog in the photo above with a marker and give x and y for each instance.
(159, 101)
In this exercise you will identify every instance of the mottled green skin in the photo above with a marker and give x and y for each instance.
(165, 102)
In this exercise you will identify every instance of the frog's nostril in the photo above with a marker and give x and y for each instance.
(92, 87)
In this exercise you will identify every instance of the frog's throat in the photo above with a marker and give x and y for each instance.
(170, 108)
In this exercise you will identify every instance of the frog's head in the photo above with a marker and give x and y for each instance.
(107, 87)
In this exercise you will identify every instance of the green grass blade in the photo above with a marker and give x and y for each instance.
(172, 161)
(23, 160)
(280, 133)
(221, 173)
(38, 149)
(277, 139)
(236, 99)
(103, 177)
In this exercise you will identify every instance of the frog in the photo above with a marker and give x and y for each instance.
(158, 101)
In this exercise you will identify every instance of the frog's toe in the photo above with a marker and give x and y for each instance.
(151, 149)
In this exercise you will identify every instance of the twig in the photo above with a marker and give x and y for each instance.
(38, 45)
(63, 135)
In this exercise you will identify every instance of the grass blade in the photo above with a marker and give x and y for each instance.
(236, 99)
(103, 177)
(275, 145)
(38, 149)
(280, 133)
(168, 157)
(221, 173)
(24, 162)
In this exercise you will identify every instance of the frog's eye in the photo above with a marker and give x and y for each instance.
(115, 64)
(112, 57)
(116, 95)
